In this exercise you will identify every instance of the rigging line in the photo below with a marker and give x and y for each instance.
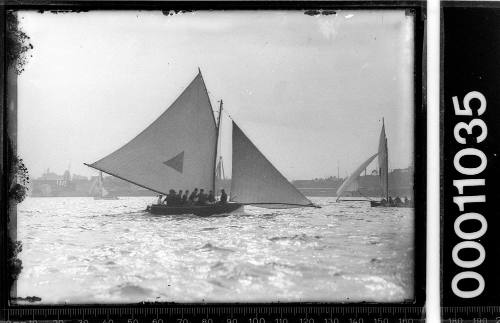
(227, 114)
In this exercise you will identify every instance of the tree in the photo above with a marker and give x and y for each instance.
(17, 43)
(19, 180)
(17, 48)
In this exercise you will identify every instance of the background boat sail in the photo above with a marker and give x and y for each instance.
(98, 191)
(179, 150)
(351, 183)
(383, 163)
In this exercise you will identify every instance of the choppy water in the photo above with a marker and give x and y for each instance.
(81, 250)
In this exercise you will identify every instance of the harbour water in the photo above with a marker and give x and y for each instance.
(81, 250)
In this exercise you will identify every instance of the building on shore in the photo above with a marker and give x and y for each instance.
(400, 184)
(51, 184)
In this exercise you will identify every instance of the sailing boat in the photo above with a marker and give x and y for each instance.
(383, 164)
(99, 192)
(351, 183)
(179, 151)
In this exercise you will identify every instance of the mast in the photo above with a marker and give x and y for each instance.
(386, 164)
(387, 171)
(216, 146)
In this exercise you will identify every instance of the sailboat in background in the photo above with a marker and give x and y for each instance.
(351, 183)
(98, 191)
(179, 151)
(383, 168)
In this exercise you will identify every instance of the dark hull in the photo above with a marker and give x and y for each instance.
(379, 204)
(199, 210)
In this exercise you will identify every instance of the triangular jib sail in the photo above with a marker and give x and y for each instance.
(256, 181)
(383, 158)
(177, 151)
(351, 183)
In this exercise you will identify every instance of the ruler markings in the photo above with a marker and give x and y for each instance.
(217, 313)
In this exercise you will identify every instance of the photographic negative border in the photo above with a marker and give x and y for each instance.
(412, 309)
(470, 72)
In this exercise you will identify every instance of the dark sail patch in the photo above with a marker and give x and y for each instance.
(176, 163)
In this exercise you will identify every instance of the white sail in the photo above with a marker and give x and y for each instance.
(351, 183)
(219, 171)
(383, 162)
(256, 181)
(177, 151)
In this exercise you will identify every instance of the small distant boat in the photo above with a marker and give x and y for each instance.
(99, 192)
(179, 151)
(351, 183)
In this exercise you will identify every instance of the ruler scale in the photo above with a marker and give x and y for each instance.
(219, 314)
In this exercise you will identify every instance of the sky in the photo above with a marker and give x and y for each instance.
(309, 91)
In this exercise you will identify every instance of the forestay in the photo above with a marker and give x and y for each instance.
(383, 161)
(351, 183)
(177, 151)
(256, 181)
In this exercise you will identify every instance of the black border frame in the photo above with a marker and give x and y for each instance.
(418, 8)
(466, 308)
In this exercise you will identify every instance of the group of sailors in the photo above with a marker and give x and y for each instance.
(194, 198)
(397, 202)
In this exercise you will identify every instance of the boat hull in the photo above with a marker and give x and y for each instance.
(199, 210)
(379, 204)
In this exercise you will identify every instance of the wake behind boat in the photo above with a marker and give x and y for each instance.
(179, 151)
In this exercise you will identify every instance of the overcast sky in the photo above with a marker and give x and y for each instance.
(309, 91)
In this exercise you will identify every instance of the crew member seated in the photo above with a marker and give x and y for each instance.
(170, 199)
(223, 196)
(193, 196)
(178, 198)
(211, 197)
(185, 197)
(397, 201)
(202, 198)
(160, 197)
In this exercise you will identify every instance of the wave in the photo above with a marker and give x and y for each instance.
(210, 247)
(209, 229)
(131, 290)
(296, 237)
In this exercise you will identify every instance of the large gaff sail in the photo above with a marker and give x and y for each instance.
(177, 151)
(352, 181)
(256, 181)
(383, 157)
